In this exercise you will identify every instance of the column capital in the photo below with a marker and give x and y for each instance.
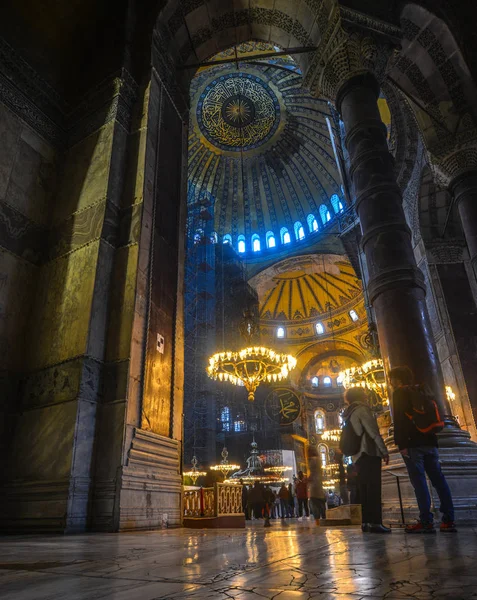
(348, 54)
(464, 183)
(364, 79)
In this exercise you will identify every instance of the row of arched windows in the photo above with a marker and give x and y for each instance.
(285, 236)
(319, 327)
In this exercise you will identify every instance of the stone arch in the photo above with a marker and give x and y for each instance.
(190, 31)
(432, 73)
(435, 203)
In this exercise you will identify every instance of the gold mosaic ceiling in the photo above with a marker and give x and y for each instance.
(306, 287)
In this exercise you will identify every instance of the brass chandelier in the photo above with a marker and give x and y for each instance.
(194, 473)
(224, 466)
(369, 375)
(250, 366)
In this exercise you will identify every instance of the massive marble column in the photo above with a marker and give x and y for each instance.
(464, 188)
(396, 286)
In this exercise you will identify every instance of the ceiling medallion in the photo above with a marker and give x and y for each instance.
(238, 111)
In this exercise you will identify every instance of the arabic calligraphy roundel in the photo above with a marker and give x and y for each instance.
(282, 406)
(237, 111)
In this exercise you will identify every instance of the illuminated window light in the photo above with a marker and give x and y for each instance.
(354, 315)
(280, 332)
(320, 330)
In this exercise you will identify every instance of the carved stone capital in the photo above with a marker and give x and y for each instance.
(348, 55)
(449, 167)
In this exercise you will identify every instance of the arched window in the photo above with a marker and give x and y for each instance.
(320, 330)
(241, 243)
(227, 239)
(240, 426)
(315, 381)
(285, 236)
(320, 422)
(299, 231)
(312, 223)
(214, 238)
(323, 452)
(280, 332)
(354, 315)
(324, 214)
(340, 206)
(327, 381)
(339, 380)
(270, 237)
(336, 203)
(255, 242)
(225, 418)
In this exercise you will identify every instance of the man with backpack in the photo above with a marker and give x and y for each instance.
(361, 439)
(416, 422)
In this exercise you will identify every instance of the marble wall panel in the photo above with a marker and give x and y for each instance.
(80, 378)
(100, 307)
(32, 181)
(122, 303)
(115, 378)
(43, 444)
(62, 309)
(17, 282)
(21, 236)
(85, 175)
(10, 130)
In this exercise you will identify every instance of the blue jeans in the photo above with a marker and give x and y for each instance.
(420, 461)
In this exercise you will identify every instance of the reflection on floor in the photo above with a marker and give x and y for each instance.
(295, 561)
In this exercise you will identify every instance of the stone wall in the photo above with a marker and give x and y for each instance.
(28, 166)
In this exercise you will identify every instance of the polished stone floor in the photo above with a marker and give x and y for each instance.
(292, 562)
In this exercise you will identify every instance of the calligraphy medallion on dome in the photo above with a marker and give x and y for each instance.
(237, 111)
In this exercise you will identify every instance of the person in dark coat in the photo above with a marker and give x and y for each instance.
(245, 507)
(291, 501)
(420, 454)
(256, 500)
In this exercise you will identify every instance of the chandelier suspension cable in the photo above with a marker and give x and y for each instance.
(333, 339)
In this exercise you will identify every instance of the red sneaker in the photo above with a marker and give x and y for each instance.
(420, 528)
(448, 527)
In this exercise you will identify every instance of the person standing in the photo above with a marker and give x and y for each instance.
(256, 500)
(283, 495)
(352, 484)
(291, 500)
(245, 507)
(301, 488)
(420, 454)
(371, 451)
(315, 486)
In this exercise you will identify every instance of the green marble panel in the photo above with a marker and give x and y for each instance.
(17, 279)
(86, 173)
(122, 303)
(61, 316)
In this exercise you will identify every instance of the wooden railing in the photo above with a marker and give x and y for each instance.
(221, 500)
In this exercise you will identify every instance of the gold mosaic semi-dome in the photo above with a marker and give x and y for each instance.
(309, 296)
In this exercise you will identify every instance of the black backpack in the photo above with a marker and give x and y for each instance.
(424, 412)
(350, 442)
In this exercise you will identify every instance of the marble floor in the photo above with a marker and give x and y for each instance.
(292, 562)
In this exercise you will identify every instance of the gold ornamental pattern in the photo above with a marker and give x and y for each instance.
(238, 112)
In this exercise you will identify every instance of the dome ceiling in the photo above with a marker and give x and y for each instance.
(260, 152)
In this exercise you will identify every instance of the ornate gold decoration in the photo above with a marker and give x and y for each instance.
(238, 111)
(277, 469)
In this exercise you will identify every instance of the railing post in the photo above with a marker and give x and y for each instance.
(201, 501)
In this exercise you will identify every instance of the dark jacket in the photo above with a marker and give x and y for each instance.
(405, 433)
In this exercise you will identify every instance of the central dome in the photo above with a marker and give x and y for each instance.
(238, 111)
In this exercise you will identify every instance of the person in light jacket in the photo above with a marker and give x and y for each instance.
(369, 458)
(315, 486)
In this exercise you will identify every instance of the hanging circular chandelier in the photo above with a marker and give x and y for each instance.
(194, 473)
(224, 466)
(331, 435)
(369, 375)
(277, 470)
(250, 366)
